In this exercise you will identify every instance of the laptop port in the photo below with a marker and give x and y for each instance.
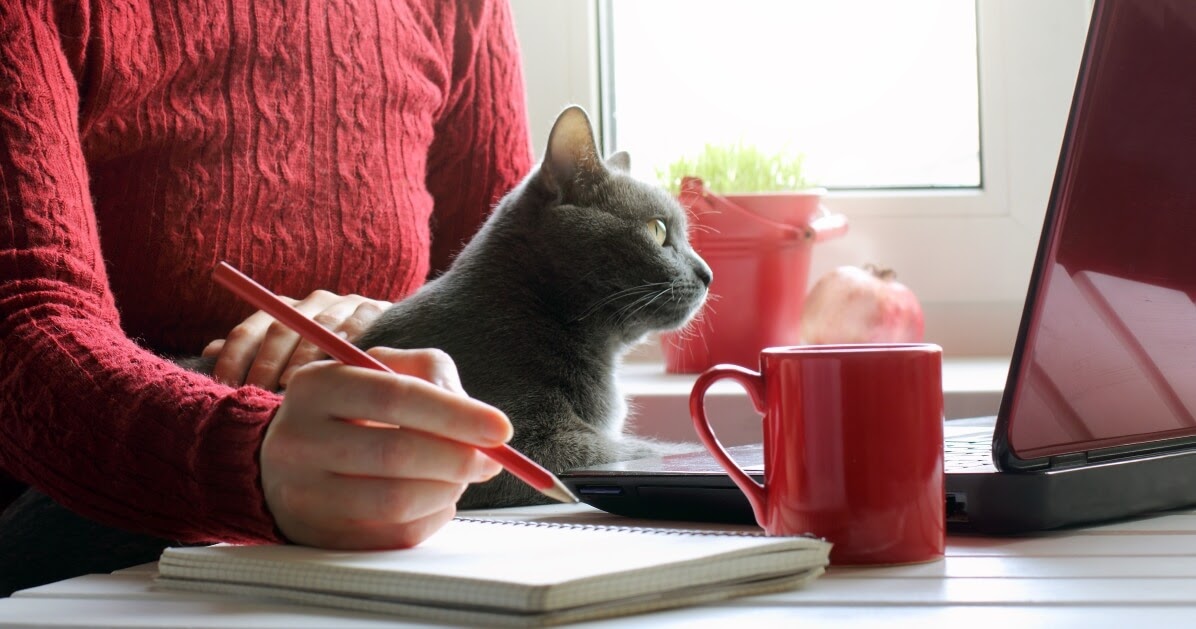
(957, 506)
(600, 490)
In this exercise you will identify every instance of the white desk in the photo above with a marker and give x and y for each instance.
(1140, 573)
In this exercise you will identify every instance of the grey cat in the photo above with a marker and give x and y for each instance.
(575, 266)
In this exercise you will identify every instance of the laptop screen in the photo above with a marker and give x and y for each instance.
(1107, 348)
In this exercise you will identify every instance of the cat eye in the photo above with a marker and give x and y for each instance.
(658, 230)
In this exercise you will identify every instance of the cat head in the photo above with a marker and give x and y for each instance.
(602, 248)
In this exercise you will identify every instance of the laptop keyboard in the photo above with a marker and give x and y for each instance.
(968, 453)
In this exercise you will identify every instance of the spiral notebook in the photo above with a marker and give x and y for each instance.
(513, 573)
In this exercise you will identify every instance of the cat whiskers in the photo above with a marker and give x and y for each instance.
(690, 331)
(695, 226)
(626, 312)
(640, 292)
(678, 291)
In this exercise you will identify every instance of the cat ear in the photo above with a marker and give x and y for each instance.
(571, 152)
(620, 161)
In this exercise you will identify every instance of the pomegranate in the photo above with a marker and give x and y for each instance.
(852, 304)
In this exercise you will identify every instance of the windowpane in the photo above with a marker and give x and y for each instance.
(875, 93)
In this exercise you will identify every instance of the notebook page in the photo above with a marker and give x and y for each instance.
(507, 564)
(466, 616)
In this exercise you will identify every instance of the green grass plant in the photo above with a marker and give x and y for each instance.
(736, 169)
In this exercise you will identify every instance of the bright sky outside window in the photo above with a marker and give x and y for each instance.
(875, 93)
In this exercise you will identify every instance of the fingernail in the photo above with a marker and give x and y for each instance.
(499, 431)
(498, 427)
(489, 469)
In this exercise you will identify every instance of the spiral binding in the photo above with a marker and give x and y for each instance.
(646, 530)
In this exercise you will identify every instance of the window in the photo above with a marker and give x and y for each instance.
(966, 250)
(874, 94)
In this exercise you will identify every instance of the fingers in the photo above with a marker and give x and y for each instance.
(280, 341)
(358, 458)
(213, 349)
(429, 365)
(240, 347)
(357, 501)
(347, 318)
(374, 535)
(384, 452)
(425, 395)
(263, 352)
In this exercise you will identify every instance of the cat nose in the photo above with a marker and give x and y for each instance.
(702, 270)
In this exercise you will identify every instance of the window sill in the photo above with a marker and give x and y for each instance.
(972, 387)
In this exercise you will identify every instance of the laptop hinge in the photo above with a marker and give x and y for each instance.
(1073, 459)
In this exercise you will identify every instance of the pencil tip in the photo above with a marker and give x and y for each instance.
(560, 492)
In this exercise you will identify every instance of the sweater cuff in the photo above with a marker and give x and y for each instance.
(228, 471)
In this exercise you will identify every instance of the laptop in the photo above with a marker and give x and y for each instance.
(1098, 417)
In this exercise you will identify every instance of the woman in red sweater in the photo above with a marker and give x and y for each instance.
(346, 146)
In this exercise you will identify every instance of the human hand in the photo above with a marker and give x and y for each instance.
(338, 471)
(262, 351)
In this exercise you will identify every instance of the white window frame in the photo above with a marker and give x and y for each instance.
(966, 253)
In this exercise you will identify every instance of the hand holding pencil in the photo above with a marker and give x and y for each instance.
(365, 484)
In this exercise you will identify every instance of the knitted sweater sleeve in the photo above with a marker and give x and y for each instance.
(86, 415)
(482, 147)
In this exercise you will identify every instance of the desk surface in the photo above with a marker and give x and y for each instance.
(1136, 573)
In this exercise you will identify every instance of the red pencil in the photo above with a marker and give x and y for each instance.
(511, 459)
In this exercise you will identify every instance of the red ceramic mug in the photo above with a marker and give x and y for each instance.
(853, 447)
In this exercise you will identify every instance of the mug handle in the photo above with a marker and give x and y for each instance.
(826, 225)
(753, 383)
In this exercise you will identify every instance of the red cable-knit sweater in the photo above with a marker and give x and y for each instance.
(349, 146)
